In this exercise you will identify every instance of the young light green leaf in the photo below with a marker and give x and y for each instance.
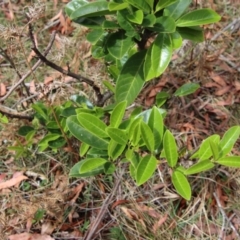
(164, 3)
(92, 124)
(228, 140)
(181, 185)
(199, 167)
(136, 17)
(215, 149)
(134, 131)
(232, 161)
(91, 9)
(83, 149)
(44, 142)
(84, 135)
(198, 17)
(140, 4)
(145, 169)
(118, 44)
(91, 164)
(115, 149)
(117, 114)
(176, 40)
(75, 171)
(147, 136)
(175, 10)
(131, 79)
(117, 135)
(170, 149)
(186, 89)
(205, 151)
(112, 6)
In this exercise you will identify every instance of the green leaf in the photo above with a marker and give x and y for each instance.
(115, 149)
(109, 25)
(91, 164)
(118, 44)
(175, 10)
(44, 142)
(112, 6)
(205, 151)
(92, 124)
(161, 98)
(83, 149)
(158, 56)
(24, 130)
(186, 89)
(84, 135)
(131, 79)
(228, 140)
(147, 136)
(181, 185)
(96, 153)
(215, 149)
(232, 161)
(73, 5)
(136, 17)
(95, 35)
(148, 20)
(91, 9)
(164, 24)
(117, 135)
(134, 131)
(176, 40)
(155, 122)
(75, 170)
(199, 167)
(150, 3)
(164, 3)
(145, 169)
(198, 17)
(125, 24)
(193, 34)
(170, 148)
(140, 4)
(117, 114)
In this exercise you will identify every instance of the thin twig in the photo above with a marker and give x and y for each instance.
(91, 232)
(13, 113)
(225, 215)
(36, 65)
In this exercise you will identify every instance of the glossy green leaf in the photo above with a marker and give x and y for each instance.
(232, 161)
(131, 79)
(228, 140)
(95, 35)
(148, 20)
(58, 143)
(150, 3)
(198, 17)
(110, 25)
(181, 185)
(158, 56)
(145, 169)
(91, 9)
(109, 86)
(195, 35)
(175, 10)
(24, 130)
(155, 123)
(118, 44)
(115, 149)
(44, 142)
(75, 170)
(125, 24)
(136, 17)
(147, 136)
(91, 164)
(186, 89)
(170, 148)
(134, 132)
(164, 3)
(112, 6)
(92, 124)
(74, 5)
(161, 98)
(140, 4)
(199, 167)
(205, 151)
(215, 149)
(96, 153)
(84, 135)
(117, 114)
(176, 40)
(117, 135)
(164, 24)
(83, 149)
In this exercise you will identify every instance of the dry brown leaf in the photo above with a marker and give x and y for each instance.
(129, 213)
(29, 236)
(223, 90)
(47, 228)
(159, 223)
(15, 181)
(218, 79)
(3, 89)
